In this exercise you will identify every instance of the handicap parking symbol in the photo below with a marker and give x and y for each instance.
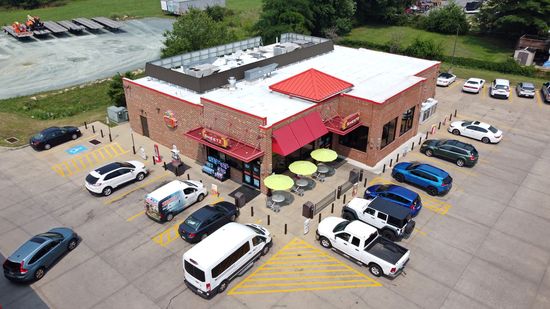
(76, 149)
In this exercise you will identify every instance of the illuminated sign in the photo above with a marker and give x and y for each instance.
(170, 119)
(349, 121)
(215, 138)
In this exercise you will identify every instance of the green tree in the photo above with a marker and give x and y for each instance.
(193, 31)
(381, 11)
(447, 19)
(332, 15)
(116, 89)
(514, 18)
(280, 16)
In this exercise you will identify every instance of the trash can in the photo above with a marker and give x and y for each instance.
(307, 210)
(354, 176)
(240, 199)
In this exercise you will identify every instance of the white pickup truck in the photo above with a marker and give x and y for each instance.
(361, 242)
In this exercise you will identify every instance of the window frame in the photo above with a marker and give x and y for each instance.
(387, 130)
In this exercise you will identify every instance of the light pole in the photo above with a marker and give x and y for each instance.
(454, 50)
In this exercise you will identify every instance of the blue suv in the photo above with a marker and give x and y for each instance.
(396, 194)
(430, 178)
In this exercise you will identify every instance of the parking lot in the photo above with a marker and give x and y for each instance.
(483, 245)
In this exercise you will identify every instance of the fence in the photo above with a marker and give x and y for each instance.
(319, 206)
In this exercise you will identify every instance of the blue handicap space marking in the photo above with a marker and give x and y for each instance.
(76, 149)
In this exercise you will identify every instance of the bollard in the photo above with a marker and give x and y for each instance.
(439, 126)
(426, 135)
(252, 211)
(332, 208)
(188, 177)
(110, 138)
(268, 219)
(200, 180)
(455, 113)
(451, 117)
(361, 175)
(420, 140)
(384, 168)
(101, 131)
(344, 202)
(412, 146)
(365, 183)
(164, 165)
(85, 125)
(397, 159)
(339, 192)
(285, 228)
(391, 162)
(134, 145)
(319, 217)
(93, 129)
(154, 161)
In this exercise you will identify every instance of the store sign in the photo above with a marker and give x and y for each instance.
(170, 119)
(215, 138)
(349, 121)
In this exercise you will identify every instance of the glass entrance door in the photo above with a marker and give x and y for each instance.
(251, 173)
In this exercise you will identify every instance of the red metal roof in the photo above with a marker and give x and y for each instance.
(298, 133)
(311, 85)
(236, 149)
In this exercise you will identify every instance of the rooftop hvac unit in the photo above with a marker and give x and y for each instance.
(256, 73)
(117, 114)
(201, 70)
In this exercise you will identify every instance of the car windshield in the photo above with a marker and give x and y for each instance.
(473, 82)
(466, 123)
(528, 86)
(220, 209)
(341, 226)
(126, 164)
(383, 188)
(493, 129)
(413, 166)
(190, 184)
(51, 235)
(38, 136)
(445, 75)
(255, 229)
(192, 223)
(501, 87)
(91, 179)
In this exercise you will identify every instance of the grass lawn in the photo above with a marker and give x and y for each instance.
(489, 76)
(467, 46)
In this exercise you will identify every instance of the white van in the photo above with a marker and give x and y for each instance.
(229, 252)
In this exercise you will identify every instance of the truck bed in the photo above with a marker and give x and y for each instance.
(386, 250)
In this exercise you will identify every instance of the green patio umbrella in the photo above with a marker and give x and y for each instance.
(302, 168)
(278, 182)
(324, 155)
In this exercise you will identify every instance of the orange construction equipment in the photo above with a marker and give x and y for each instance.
(19, 27)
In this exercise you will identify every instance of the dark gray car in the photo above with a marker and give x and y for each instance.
(33, 258)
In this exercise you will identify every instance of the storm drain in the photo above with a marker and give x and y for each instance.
(95, 142)
(12, 140)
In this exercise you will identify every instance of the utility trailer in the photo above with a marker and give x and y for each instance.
(108, 23)
(54, 27)
(90, 24)
(18, 35)
(72, 27)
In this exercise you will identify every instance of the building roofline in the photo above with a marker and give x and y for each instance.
(264, 119)
(160, 92)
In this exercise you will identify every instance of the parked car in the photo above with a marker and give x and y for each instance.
(472, 7)
(525, 90)
(450, 149)
(207, 220)
(172, 198)
(397, 194)
(445, 79)
(500, 88)
(545, 91)
(32, 260)
(473, 85)
(53, 136)
(229, 252)
(361, 242)
(477, 130)
(428, 177)
(392, 221)
(107, 178)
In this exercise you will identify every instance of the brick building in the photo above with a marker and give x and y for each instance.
(247, 110)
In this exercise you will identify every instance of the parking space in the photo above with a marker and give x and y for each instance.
(484, 244)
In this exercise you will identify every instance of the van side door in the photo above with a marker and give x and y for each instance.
(190, 195)
(258, 244)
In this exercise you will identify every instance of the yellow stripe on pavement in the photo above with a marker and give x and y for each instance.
(141, 213)
(120, 196)
(539, 99)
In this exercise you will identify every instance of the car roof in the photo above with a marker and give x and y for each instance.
(432, 170)
(209, 251)
(110, 167)
(204, 212)
(167, 189)
(50, 129)
(393, 209)
(445, 74)
(474, 79)
(360, 229)
(28, 248)
(459, 144)
(404, 192)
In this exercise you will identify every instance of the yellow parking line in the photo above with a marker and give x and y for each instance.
(110, 155)
(118, 197)
(159, 238)
(539, 99)
(120, 148)
(453, 84)
(87, 156)
(305, 266)
(300, 283)
(135, 216)
(81, 162)
(68, 168)
(304, 277)
(305, 289)
(112, 147)
(420, 232)
(484, 91)
(101, 154)
(58, 169)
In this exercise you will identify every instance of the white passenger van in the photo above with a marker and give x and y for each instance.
(229, 252)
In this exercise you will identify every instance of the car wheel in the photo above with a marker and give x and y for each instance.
(107, 191)
(456, 132)
(429, 153)
(460, 162)
(432, 191)
(200, 198)
(222, 286)
(325, 243)
(169, 217)
(485, 140)
(204, 236)
(265, 250)
(72, 244)
(389, 235)
(140, 177)
(375, 270)
(47, 146)
(233, 217)
(39, 273)
(399, 177)
(74, 136)
(348, 216)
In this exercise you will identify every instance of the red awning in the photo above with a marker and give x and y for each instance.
(312, 85)
(236, 149)
(298, 133)
(334, 125)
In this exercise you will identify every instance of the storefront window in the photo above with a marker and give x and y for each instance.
(356, 139)
(407, 121)
(234, 163)
(388, 133)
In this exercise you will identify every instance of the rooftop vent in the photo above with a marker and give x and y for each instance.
(201, 70)
(232, 83)
(256, 73)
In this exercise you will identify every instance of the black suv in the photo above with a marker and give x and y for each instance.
(461, 153)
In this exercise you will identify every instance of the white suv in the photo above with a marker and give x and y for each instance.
(500, 88)
(106, 178)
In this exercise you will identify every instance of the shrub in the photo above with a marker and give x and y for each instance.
(446, 19)
(425, 48)
(218, 13)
